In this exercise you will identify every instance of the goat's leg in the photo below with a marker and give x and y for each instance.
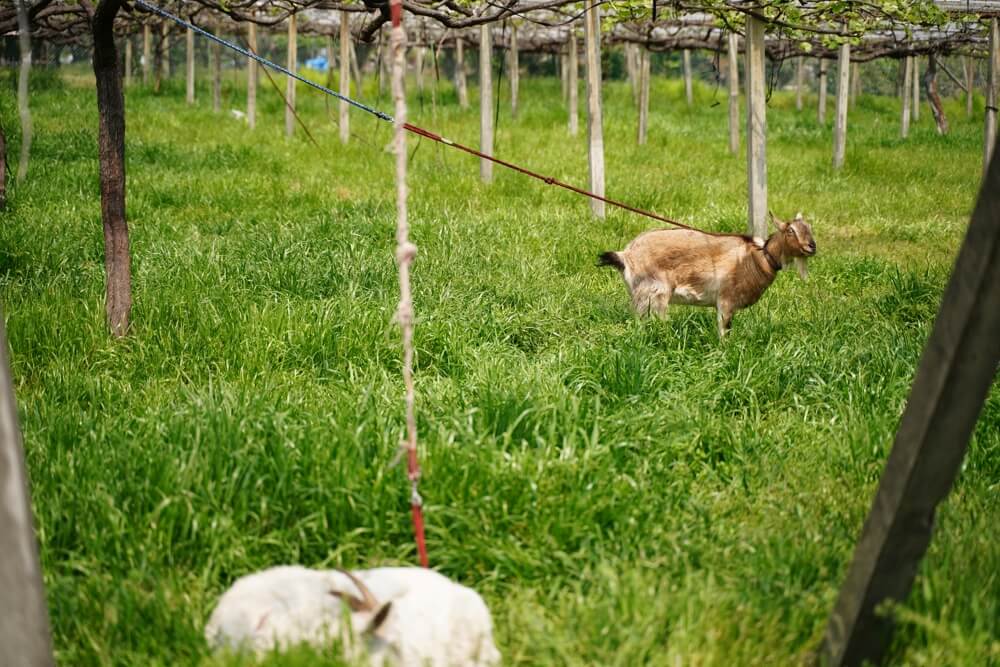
(724, 316)
(661, 299)
(642, 295)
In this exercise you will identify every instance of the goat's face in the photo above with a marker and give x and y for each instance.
(798, 241)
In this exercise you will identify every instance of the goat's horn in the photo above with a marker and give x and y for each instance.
(368, 600)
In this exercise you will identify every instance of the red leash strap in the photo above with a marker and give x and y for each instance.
(548, 180)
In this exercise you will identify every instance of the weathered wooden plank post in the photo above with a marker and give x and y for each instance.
(574, 85)
(344, 119)
(293, 65)
(904, 125)
(461, 83)
(915, 110)
(252, 77)
(970, 82)
(956, 370)
(734, 94)
(24, 619)
(821, 104)
(128, 60)
(799, 67)
(147, 54)
(595, 118)
(485, 101)
(515, 70)
(843, 93)
(753, 71)
(992, 82)
(216, 77)
(189, 64)
(688, 92)
(643, 66)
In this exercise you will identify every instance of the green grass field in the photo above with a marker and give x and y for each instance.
(622, 492)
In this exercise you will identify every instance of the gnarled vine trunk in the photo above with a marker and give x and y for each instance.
(111, 151)
(930, 83)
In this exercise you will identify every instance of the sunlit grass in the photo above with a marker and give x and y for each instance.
(622, 492)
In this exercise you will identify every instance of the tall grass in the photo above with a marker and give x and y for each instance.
(622, 492)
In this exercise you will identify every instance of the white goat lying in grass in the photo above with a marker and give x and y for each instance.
(399, 616)
(728, 271)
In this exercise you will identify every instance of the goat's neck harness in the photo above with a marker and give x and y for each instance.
(771, 261)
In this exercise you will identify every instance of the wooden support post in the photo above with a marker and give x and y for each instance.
(992, 83)
(356, 71)
(843, 93)
(461, 83)
(855, 83)
(165, 46)
(821, 106)
(515, 71)
(485, 101)
(345, 76)
(956, 369)
(734, 94)
(753, 71)
(216, 77)
(595, 117)
(573, 69)
(189, 55)
(147, 54)
(915, 110)
(688, 92)
(24, 623)
(643, 66)
(632, 66)
(128, 60)
(904, 126)
(799, 67)
(252, 77)
(293, 65)
(564, 75)
(970, 82)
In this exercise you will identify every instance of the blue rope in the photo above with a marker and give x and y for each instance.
(264, 61)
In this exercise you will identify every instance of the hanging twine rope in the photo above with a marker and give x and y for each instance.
(405, 252)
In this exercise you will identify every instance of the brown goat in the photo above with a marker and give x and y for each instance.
(728, 271)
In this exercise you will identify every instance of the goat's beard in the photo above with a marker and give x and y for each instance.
(800, 265)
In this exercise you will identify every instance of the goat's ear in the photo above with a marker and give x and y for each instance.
(378, 619)
(798, 216)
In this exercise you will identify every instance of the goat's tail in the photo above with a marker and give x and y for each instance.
(611, 258)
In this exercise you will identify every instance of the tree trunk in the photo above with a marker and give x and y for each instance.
(22, 91)
(329, 61)
(595, 114)
(916, 89)
(970, 82)
(345, 76)
(904, 126)
(688, 92)
(216, 77)
(564, 75)
(111, 151)
(734, 94)
(992, 83)
(843, 94)
(461, 85)
(252, 77)
(855, 83)
(573, 68)
(165, 45)
(643, 67)
(930, 81)
(293, 65)
(799, 67)
(128, 61)
(515, 71)
(485, 101)
(189, 62)
(753, 72)
(821, 104)
(24, 628)
(147, 54)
